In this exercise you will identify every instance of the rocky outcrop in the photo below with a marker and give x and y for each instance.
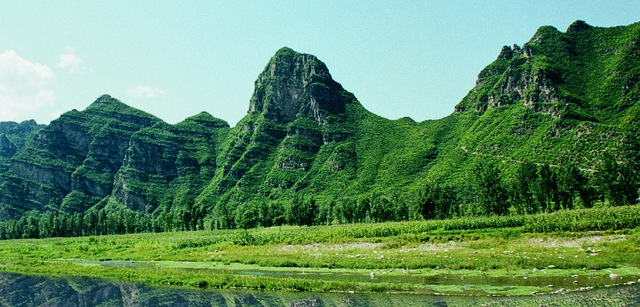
(296, 85)
(515, 78)
(165, 161)
(20, 133)
(80, 151)
(7, 149)
(13, 138)
(305, 133)
(294, 111)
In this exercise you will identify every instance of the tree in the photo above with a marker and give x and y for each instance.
(402, 206)
(523, 188)
(310, 211)
(362, 209)
(78, 225)
(569, 180)
(608, 179)
(426, 200)
(45, 225)
(301, 211)
(246, 216)
(381, 208)
(618, 181)
(101, 224)
(629, 183)
(349, 208)
(222, 217)
(325, 216)
(491, 193)
(276, 213)
(546, 189)
(166, 219)
(90, 221)
(30, 228)
(440, 201)
(337, 212)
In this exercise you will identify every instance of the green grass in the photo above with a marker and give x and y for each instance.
(495, 247)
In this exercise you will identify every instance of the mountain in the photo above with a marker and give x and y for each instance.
(560, 99)
(13, 138)
(74, 157)
(561, 96)
(169, 165)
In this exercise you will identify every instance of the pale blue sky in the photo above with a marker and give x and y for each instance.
(174, 59)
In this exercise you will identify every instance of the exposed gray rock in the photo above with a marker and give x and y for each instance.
(7, 149)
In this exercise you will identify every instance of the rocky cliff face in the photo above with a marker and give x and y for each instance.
(575, 90)
(305, 134)
(168, 165)
(515, 78)
(114, 151)
(13, 137)
(561, 97)
(20, 133)
(296, 108)
(585, 73)
(80, 152)
(296, 85)
(7, 149)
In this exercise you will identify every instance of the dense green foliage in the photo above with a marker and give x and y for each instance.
(418, 256)
(549, 126)
(13, 138)
(536, 168)
(127, 221)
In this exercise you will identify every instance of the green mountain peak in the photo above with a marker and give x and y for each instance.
(560, 98)
(578, 26)
(108, 106)
(296, 85)
(206, 119)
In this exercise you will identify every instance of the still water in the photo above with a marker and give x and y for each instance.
(23, 290)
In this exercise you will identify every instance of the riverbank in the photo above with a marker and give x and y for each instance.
(410, 257)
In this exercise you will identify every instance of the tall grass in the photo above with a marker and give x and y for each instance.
(594, 219)
(606, 218)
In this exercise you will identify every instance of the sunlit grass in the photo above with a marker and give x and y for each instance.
(499, 246)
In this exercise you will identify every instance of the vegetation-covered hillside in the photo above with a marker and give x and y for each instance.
(13, 138)
(550, 125)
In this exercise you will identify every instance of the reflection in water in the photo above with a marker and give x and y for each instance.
(22, 290)
(454, 284)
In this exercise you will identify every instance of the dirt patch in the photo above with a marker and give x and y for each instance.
(579, 242)
(437, 246)
(329, 247)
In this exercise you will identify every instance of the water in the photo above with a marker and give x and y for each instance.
(458, 284)
(23, 290)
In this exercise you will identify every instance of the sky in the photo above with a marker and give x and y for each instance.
(175, 59)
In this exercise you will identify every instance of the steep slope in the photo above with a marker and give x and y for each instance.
(13, 138)
(70, 164)
(295, 110)
(305, 134)
(167, 166)
(561, 98)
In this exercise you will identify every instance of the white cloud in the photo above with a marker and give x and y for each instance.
(71, 62)
(24, 86)
(144, 91)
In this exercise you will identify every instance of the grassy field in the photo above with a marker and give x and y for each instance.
(565, 251)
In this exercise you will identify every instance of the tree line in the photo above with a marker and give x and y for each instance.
(535, 188)
(528, 189)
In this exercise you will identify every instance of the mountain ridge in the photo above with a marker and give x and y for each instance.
(305, 139)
